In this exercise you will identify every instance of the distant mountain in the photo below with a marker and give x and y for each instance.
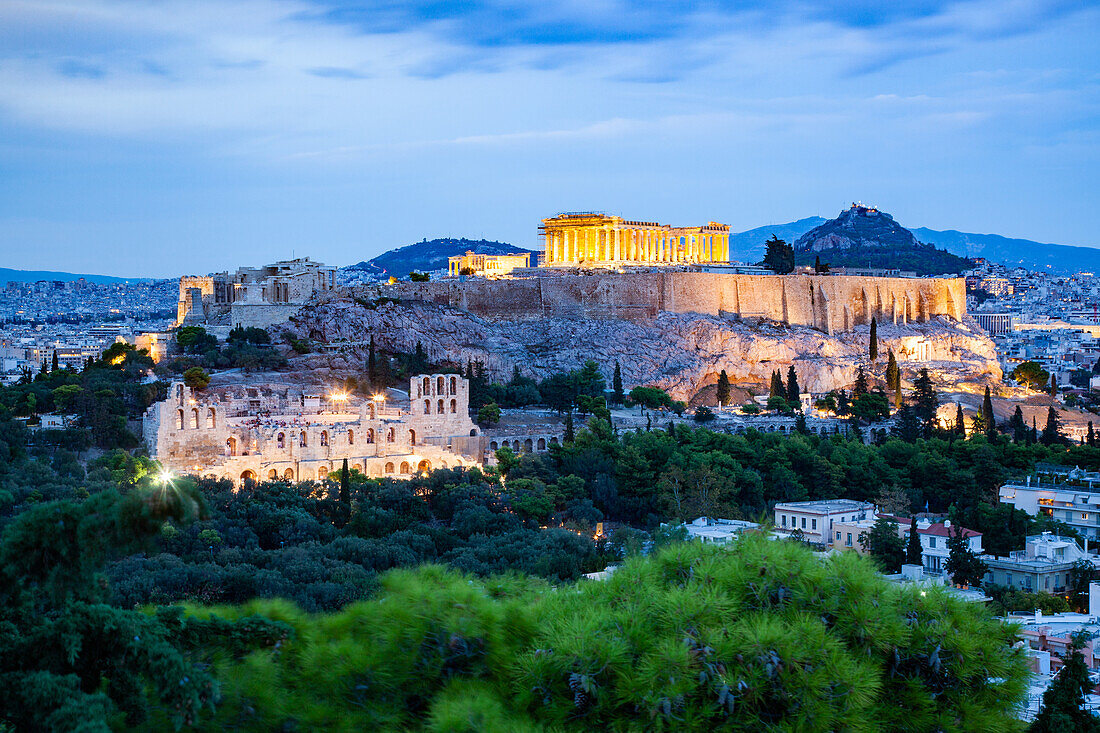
(748, 246)
(1014, 252)
(431, 255)
(863, 236)
(30, 276)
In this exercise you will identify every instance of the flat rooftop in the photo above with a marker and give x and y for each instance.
(827, 506)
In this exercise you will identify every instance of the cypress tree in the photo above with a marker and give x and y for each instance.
(892, 372)
(55, 366)
(873, 348)
(913, 554)
(988, 417)
(1090, 437)
(344, 514)
(617, 385)
(1032, 437)
(1018, 426)
(372, 363)
(1052, 430)
(1053, 385)
(777, 387)
(794, 393)
(723, 389)
(569, 436)
(420, 359)
(861, 383)
(925, 400)
(960, 424)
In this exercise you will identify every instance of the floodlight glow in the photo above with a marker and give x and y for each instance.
(166, 476)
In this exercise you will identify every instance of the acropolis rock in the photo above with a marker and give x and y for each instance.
(681, 352)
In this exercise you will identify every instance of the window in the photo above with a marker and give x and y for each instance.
(302, 440)
(280, 440)
(803, 522)
(783, 518)
(454, 385)
(439, 407)
(324, 437)
(427, 407)
(848, 540)
(454, 406)
(838, 534)
(351, 437)
(813, 523)
(439, 385)
(932, 542)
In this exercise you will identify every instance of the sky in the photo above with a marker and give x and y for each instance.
(158, 138)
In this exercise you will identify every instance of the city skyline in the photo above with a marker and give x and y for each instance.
(152, 140)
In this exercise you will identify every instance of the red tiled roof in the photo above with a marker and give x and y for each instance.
(939, 530)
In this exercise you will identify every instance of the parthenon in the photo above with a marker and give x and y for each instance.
(591, 239)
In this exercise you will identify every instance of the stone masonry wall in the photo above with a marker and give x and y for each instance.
(832, 304)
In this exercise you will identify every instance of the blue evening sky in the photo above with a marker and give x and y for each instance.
(160, 137)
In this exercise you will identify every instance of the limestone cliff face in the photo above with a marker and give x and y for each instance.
(680, 352)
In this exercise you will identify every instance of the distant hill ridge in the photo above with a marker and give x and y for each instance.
(863, 236)
(431, 254)
(31, 276)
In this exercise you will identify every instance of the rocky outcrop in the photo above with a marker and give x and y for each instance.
(682, 353)
(856, 226)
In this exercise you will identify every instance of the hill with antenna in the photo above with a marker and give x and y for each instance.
(864, 236)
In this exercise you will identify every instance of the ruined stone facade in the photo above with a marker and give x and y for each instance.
(486, 265)
(828, 303)
(252, 296)
(265, 435)
(591, 239)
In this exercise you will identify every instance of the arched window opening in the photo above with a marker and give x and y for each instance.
(527, 446)
(391, 435)
(412, 437)
(272, 474)
(427, 407)
(542, 444)
(454, 385)
(302, 439)
(439, 407)
(324, 438)
(288, 475)
(351, 437)
(493, 445)
(248, 476)
(370, 435)
(179, 393)
(195, 418)
(427, 386)
(280, 440)
(454, 406)
(515, 446)
(473, 432)
(439, 386)
(179, 419)
(389, 468)
(322, 472)
(424, 466)
(405, 467)
(231, 446)
(211, 418)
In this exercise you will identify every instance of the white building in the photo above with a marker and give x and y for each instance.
(814, 519)
(1076, 505)
(933, 543)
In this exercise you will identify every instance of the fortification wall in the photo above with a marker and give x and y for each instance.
(832, 303)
